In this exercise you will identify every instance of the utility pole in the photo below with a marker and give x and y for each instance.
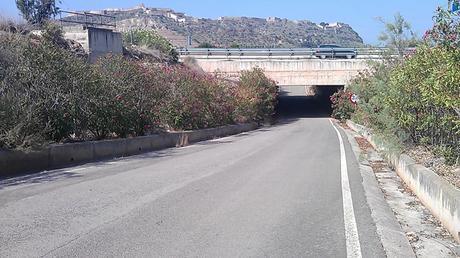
(189, 40)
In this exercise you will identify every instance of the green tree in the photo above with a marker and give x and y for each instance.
(37, 12)
(398, 34)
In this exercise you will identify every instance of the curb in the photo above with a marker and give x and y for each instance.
(14, 163)
(438, 195)
(392, 236)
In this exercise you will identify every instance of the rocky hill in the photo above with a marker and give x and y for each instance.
(234, 31)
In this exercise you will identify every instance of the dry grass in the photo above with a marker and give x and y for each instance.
(425, 156)
(363, 144)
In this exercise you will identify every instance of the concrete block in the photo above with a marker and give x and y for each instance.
(17, 162)
(137, 145)
(109, 149)
(438, 195)
(162, 141)
(62, 155)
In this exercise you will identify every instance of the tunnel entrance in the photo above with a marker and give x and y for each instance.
(302, 101)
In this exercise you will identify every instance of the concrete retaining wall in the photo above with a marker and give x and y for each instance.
(64, 155)
(102, 42)
(438, 195)
(97, 42)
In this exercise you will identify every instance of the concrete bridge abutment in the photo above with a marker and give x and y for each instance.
(309, 72)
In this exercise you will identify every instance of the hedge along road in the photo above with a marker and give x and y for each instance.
(277, 191)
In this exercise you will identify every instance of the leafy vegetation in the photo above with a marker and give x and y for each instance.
(423, 95)
(45, 94)
(257, 96)
(446, 30)
(341, 105)
(48, 95)
(151, 39)
(37, 12)
(235, 45)
(206, 45)
(398, 34)
(416, 98)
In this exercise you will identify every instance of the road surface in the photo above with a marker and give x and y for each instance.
(275, 192)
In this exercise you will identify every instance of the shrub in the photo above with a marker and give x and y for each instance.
(45, 93)
(133, 94)
(416, 100)
(49, 95)
(196, 100)
(10, 26)
(343, 108)
(151, 39)
(206, 45)
(423, 96)
(53, 34)
(371, 87)
(256, 96)
(446, 29)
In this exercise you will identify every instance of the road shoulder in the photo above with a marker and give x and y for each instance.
(393, 238)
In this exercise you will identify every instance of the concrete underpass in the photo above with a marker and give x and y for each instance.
(305, 101)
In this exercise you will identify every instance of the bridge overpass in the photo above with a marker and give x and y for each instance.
(289, 67)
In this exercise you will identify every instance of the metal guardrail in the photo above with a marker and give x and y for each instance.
(275, 52)
(87, 19)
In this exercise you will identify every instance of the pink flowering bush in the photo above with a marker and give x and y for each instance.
(194, 100)
(256, 96)
(49, 95)
(342, 107)
(134, 95)
(446, 29)
(197, 100)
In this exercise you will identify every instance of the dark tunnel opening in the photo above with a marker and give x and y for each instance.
(296, 104)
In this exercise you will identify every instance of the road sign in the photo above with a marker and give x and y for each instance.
(455, 6)
(354, 99)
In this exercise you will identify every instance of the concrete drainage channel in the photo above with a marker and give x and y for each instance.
(56, 156)
(406, 228)
(436, 194)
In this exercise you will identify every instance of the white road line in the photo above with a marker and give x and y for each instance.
(351, 230)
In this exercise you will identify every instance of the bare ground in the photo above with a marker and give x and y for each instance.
(425, 156)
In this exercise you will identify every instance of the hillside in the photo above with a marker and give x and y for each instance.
(234, 31)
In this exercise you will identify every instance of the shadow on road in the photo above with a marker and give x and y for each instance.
(42, 177)
(75, 172)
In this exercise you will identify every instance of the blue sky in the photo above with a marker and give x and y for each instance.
(360, 14)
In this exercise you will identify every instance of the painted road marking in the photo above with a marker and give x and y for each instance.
(351, 229)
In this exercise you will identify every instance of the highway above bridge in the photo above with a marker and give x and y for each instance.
(288, 67)
(288, 190)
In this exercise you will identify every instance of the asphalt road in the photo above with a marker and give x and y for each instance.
(274, 192)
